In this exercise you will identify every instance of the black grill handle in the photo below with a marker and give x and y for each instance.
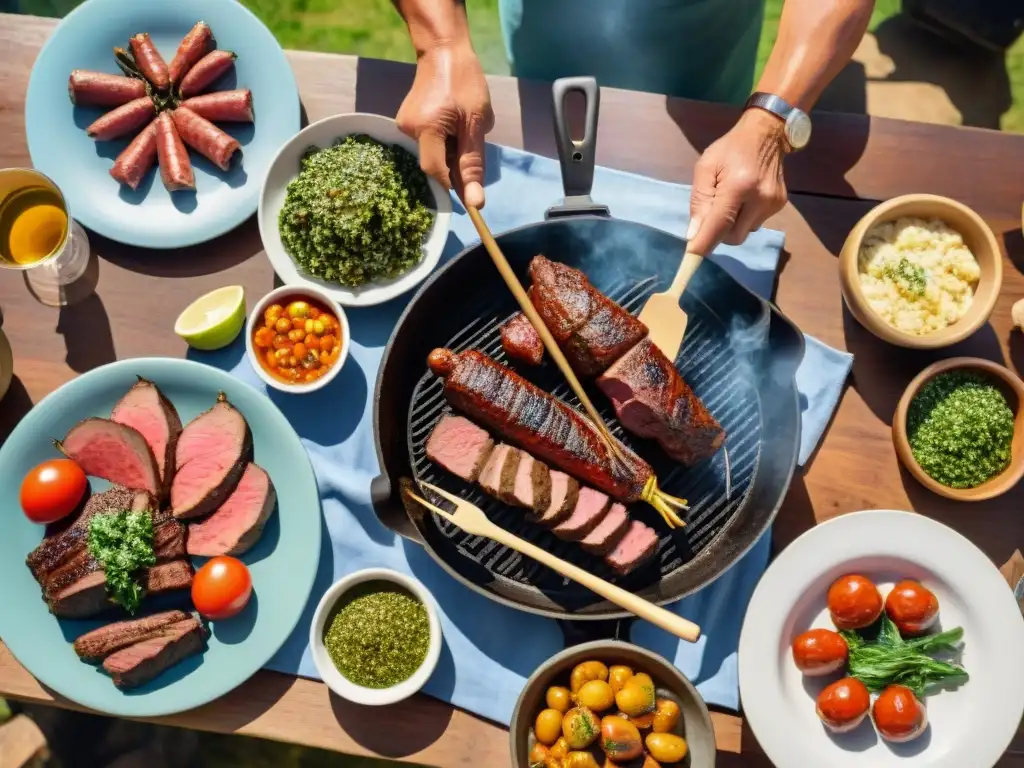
(579, 632)
(577, 158)
(391, 511)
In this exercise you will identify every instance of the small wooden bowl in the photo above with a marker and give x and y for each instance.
(978, 237)
(1013, 390)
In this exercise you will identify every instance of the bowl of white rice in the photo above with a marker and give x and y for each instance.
(921, 271)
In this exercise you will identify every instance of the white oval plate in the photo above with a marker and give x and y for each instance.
(970, 726)
(286, 167)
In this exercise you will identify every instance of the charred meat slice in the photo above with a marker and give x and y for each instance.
(520, 340)
(638, 544)
(490, 475)
(212, 453)
(564, 493)
(606, 535)
(236, 526)
(550, 430)
(459, 446)
(531, 487)
(652, 400)
(145, 409)
(95, 646)
(139, 663)
(591, 508)
(120, 454)
(88, 595)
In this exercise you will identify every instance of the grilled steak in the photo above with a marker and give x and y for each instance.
(509, 470)
(638, 544)
(591, 508)
(546, 427)
(460, 446)
(592, 330)
(139, 663)
(145, 409)
(606, 535)
(652, 400)
(532, 485)
(520, 340)
(120, 454)
(490, 475)
(564, 493)
(94, 646)
(88, 595)
(212, 453)
(237, 525)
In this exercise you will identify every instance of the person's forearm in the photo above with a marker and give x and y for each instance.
(434, 22)
(816, 40)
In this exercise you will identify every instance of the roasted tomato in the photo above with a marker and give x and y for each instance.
(52, 490)
(843, 704)
(898, 714)
(221, 588)
(854, 602)
(819, 652)
(912, 607)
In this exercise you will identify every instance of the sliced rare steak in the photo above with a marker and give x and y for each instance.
(145, 409)
(565, 491)
(459, 446)
(531, 487)
(521, 341)
(212, 453)
(638, 544)
(120, 454)
(95, 646)
(239, 521)
(141, 662)
(591, 507)
(88, 595)
(490, 475)
(606, 535)
(509, 469)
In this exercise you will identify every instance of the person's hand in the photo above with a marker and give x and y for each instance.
(737, 183)
(449, 99)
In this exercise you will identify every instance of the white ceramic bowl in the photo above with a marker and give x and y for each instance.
(256, 316)
(336, 681)
(286, 167)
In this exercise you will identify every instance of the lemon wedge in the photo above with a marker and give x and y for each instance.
(213, 320)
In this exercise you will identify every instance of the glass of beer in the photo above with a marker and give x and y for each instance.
(38, 235)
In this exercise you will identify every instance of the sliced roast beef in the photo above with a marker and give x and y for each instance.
(94, 646)
(591, 507)
(652, 400)
(88, 595)
(490, 475)
(120, 454)
(509, 470)
(638, 544)
(145, 409)
(521, 341)
(459, 446)
(565, 491)
(606, 535)
(532, 484)
(139, 663)
(212, 453)
(237, 525)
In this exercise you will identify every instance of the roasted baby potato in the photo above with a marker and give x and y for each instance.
(620, 739)
(597, 695)
(558, 698)
(617, 677)
(585, 672)
(666, 747)
(666, 715)
(548, 726)
(580, 727)
(637, 695)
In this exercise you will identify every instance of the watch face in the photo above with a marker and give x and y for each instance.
(798, 129)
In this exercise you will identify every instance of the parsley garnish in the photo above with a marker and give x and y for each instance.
(122, 543)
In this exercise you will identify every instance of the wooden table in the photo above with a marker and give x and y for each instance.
(852, 161)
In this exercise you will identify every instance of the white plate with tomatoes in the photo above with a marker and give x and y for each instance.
(898, 580)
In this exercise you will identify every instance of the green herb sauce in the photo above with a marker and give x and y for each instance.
(122, 543)
(960, 429)
(910, 277)
(378, 636)
(358, 211)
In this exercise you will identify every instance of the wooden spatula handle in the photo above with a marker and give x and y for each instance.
(636, 605)
(686, 269)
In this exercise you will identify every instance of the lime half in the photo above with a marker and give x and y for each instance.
(214, 320)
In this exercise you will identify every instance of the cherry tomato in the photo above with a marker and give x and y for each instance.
(819, 652)
(52, 490)
(843, 704)
(854, 602)
(912, 607)
(898, 715)
(221, 588)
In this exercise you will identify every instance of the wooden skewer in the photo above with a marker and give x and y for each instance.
(505, 269)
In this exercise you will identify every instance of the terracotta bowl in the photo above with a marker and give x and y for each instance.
(1013, 390)
(694, 720)
(978, 237)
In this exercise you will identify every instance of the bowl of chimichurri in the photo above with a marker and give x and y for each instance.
(376, 636)
(959, 429)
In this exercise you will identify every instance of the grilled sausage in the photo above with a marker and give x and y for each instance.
(100, 89)
(149, 60)
(175, 167)
(206, 71)
(500, 399)
(191, 49)
(223, 106)
(124, 120)
(137, 158)
(205, 137)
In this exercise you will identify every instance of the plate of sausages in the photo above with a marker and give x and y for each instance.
(149, 117)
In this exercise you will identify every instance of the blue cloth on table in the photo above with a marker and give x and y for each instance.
(490, 649)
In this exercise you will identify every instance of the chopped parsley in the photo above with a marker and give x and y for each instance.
(910, 277)
(122, 543)
(358, 211)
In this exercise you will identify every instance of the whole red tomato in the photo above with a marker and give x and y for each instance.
(221, 588)
(819, 652)
(898, 714)
(854, 602)
(52, 490)
(843, 704)
(912, 607)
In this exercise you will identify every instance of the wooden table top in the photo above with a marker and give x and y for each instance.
(851, 161)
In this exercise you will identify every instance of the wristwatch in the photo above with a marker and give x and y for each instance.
(797, 122)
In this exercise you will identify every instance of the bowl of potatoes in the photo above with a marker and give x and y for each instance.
(610, 703)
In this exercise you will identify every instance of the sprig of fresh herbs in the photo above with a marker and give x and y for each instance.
(122, 543)
(888, 659)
